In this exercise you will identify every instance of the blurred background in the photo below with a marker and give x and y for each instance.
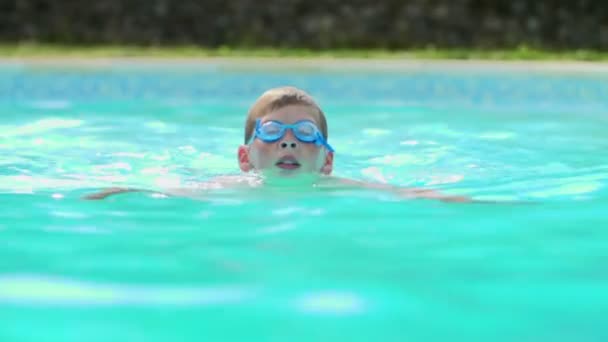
(553, 25)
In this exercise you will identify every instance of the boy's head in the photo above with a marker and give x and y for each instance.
(271, 146)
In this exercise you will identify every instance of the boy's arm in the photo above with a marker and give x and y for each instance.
(193, 191)
(111, 191)
(405, 192)
(431, 194)
(116, 191)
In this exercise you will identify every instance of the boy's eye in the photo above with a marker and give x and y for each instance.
(271, 128)
(306, 129)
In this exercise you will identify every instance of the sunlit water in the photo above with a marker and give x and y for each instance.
(301, 263)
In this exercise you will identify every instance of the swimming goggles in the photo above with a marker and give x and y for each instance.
(305, 131)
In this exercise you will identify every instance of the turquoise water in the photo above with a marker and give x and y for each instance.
(302, 263)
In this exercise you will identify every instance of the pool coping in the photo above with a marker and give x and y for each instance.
(317, 63)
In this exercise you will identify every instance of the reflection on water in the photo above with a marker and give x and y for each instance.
(47, 291)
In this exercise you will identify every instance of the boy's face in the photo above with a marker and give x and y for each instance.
(288, 155)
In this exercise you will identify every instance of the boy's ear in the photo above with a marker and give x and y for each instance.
(243, 157)
(328, 165)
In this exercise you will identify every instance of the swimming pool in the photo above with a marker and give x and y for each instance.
(303, 264)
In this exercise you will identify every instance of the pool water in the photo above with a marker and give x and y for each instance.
(300, 263)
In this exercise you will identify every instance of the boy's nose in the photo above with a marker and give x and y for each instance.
(288, 144)
(289, 140)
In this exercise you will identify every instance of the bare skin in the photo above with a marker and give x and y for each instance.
(229, 182)
(111, 191)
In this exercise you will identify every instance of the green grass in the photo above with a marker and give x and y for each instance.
(77, 51)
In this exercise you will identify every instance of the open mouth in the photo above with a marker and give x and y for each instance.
(288, 163)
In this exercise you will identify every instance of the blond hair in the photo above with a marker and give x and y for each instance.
(278, 98)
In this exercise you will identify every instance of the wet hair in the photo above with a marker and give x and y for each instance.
(278, 98)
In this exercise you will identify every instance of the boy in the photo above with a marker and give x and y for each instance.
(286, 136)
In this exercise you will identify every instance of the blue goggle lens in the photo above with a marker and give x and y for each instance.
(305, 131)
